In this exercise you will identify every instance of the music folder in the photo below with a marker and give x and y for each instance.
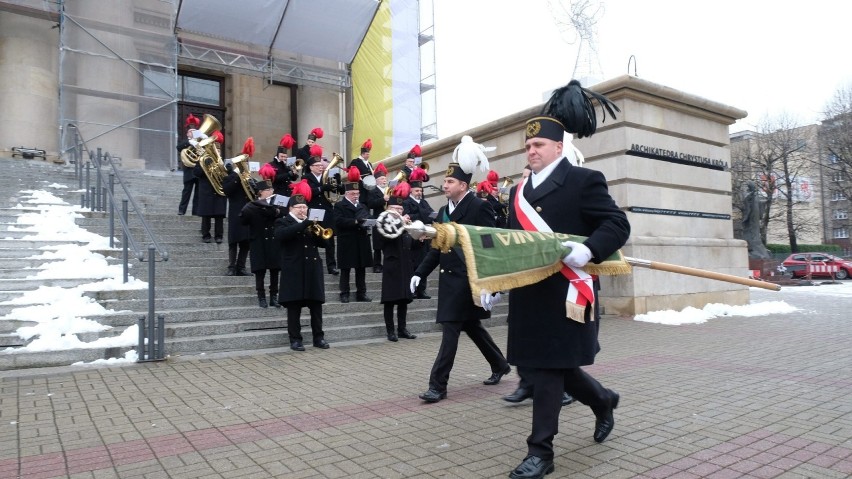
(316, 214)
(369, 223)
(280, 200)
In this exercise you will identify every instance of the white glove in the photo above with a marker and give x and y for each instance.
(415, 281)
(495, 299)
(579, 255)
(486, 299)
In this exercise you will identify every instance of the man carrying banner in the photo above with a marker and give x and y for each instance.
(456, 309)
(553, 324)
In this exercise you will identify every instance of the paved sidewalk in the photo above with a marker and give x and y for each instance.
(737, 397)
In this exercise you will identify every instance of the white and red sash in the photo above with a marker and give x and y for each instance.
(580, 290)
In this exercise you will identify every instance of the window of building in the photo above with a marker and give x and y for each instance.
(837, 196)
(832, 158)
(840, 233)
(840, 214)
(837, 176)
(201, 91)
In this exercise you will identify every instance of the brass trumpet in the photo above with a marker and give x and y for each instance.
(324, 233)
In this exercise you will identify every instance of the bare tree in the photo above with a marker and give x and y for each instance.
(836, 141)
(780, 158)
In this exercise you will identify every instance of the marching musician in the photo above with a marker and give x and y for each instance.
(211, 205)
(411, 162)
(190, 182)
(277, 171)
(377, 199)
(260, 215)
(418, 209)
(353, 246)
(302, 279)
(239, 234)
(397, 269)
(318, 200)
(364, 167)
(457, 312)
(494, 198)
(304, 152)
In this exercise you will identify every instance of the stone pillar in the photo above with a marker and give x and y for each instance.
(29, 92)
(666, 159)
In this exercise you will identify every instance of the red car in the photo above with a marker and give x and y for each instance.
(797, 264)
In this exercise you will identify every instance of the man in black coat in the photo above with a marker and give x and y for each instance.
(302, 279)
(553, 324)
(418, 209)
(211, 206)
(365, 168)
(353, 242)
(260, 216)
(456, 309)
(377, 199)
(319, 201)
(238, 233)
(190, 182)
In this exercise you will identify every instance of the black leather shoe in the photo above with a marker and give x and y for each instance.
(532, 467)
(392, 337)
(423, 296)
(377, 269)
(207, 239)
(344, 297)
(218, 240)
(605, 422)
(274, 302)
(433, 395)
(262, 303)
(241, 271)
(231, 271)
(496, 377)
(296, 346)
(520, 394)
(567, 399)
(334, 271)
(363, 298)
(322, 344)
(405, 334)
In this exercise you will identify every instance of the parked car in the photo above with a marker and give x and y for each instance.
(797, 263)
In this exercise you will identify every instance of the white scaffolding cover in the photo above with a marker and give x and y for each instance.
(326, 29)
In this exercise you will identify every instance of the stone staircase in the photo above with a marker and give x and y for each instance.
(205, 311)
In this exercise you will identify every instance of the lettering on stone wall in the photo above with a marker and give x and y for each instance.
(682, 213)
(678, 157)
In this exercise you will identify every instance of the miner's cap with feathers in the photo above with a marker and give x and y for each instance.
(467, 157)
(570, 108)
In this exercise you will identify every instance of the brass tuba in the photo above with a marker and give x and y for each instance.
(333, 195)
(206, 154)
(298, 169)
(241, 167)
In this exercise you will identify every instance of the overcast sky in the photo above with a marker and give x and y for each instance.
(496, 57)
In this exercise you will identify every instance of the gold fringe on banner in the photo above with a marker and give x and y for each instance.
(576, 312)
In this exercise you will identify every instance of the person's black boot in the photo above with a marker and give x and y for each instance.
(273, 299)
(261, 300)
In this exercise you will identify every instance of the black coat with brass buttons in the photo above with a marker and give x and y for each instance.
(301, 265)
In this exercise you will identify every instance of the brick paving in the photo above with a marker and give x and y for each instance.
(735, 397)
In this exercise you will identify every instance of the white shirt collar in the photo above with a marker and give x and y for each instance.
(538, 178)
(295, 218)
(452, 206)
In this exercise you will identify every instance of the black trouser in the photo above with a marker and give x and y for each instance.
(417, 255)
(330, 254)
(360, 281)
(294, 325)
(218, 228)
(188, 188)
(259, 276)
(440, 375)
(548, 386)
(401, 313)
(238, 260)
(377, 257)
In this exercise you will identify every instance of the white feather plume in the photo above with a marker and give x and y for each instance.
(469, 155)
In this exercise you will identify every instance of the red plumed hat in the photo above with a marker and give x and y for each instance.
(267, 172)
(192, 121)
(302, 188)
(353, 175)
(287, 141)
(414, 152)
(218, 137)
(248, 147)
(418, 174)
(485, 187)
(315, 134)
(367, 145)
(380, 170)
(402, 190)
(493, 177)
(316, 151)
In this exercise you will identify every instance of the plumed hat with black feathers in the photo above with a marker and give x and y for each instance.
(570, 108)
